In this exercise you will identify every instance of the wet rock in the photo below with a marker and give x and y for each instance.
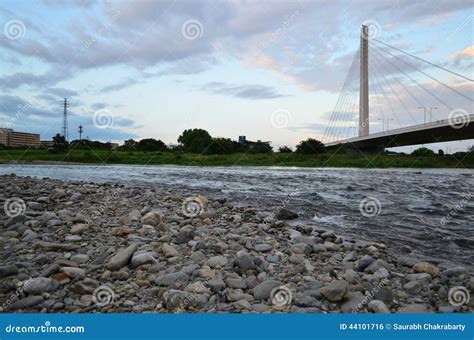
(285, 214)
(335, 291)
(122, 258)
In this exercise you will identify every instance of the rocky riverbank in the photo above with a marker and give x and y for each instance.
(85, 247)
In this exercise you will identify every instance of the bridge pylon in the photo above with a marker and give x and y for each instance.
(364, 82)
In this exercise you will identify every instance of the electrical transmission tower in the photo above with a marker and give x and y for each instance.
(66, 105)
(80, 132)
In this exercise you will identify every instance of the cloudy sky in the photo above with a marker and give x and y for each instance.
(270, 70)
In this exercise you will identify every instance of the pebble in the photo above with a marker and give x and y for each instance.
(263, 290)
(40, 285)
(335, 291)
(122, 258)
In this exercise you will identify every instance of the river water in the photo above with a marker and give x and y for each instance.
(430, 210)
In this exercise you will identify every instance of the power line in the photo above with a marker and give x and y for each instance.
(426, 61)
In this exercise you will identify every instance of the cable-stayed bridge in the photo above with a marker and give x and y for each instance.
(393, 98)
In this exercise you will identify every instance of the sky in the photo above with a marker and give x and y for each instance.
(269, 70)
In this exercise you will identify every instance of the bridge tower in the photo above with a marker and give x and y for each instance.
(364, 82)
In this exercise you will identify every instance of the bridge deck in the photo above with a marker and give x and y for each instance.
(438, 131)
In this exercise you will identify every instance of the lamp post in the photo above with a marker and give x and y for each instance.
(424, 113)
(431, 110)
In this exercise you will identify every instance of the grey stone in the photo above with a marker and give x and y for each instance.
(319, 248)
(8, 270)
(335, 291)
(263, 247)
(363, 263)
(413, 287)
(171, 279)
(40, 285)
(27, 302)
(236, 283)
(140, 258)
(285, 214)
(263, 290)
(378, 306)
(422, 277)
(55, 246)
(73, 272)
(121, 259)
(455, 271)
(416, 308)
(245, 262)
(354, 304)
(216, 284)
(217, 261)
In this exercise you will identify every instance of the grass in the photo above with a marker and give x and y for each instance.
(273, 159)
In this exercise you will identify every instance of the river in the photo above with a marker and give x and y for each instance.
(429, 210)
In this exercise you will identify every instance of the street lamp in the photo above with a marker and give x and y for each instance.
(424, 113)
(431, 109)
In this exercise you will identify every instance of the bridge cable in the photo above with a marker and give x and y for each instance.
(432, 78)
(376, 64)
(426, 61)
(429, 92)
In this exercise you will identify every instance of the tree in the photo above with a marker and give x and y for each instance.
(285, 149)
(130, 144)
(223, 146)
(151, 144)
(423, 152)
(440, 152)
(310, 146)
(260, 147)
(59, 142)
(196, 140)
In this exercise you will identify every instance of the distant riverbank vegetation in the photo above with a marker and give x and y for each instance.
(197, 147)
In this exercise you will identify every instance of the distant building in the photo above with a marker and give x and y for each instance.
(12, 138)
(242, 139)
(47, 143)
(114, 146)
